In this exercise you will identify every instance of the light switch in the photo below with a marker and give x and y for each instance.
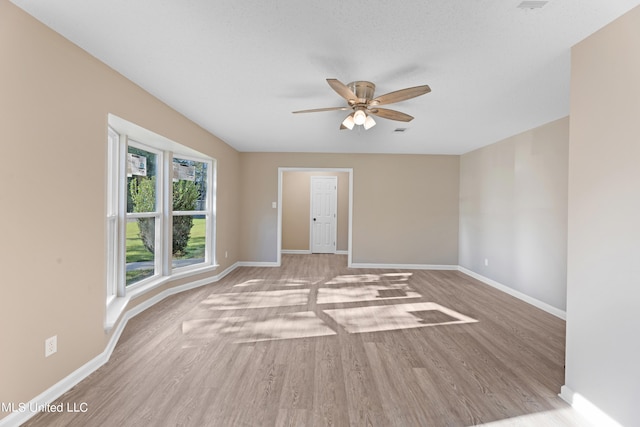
(274, 205)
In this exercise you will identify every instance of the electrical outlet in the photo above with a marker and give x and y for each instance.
(226, 254)
(50, 346)
(486, 262)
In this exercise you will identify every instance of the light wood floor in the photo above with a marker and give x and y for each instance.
(316, 343)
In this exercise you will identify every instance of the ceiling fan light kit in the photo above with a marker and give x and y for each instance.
(359, 97)
(359, 117)
(349, 123)
(369, 123)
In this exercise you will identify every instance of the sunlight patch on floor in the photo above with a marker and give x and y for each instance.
(281, 282)
(398, 316)
(358, 293)
(391, 290)
(243, 329)
(369, 278)
(257, 299)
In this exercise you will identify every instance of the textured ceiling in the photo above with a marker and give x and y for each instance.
(239, 68)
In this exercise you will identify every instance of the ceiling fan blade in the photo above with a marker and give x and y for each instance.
(343, 90)
(400, 95)
(317, 110)
(385, 113)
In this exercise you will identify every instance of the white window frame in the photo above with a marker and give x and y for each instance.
(208, 212)
(121, 134)
(158, 214)
(112, 236)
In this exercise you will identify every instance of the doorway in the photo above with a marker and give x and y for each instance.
(294, 190)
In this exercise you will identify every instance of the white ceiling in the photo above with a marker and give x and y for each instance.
(239, 68)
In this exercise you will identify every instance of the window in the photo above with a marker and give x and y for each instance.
(143, 218)
(160, 211)
(190, 212)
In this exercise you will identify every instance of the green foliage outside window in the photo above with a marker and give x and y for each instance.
(185, 196)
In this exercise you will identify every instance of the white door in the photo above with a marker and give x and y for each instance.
(324, 200)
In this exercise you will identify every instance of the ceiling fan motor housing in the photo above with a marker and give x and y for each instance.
(362, 89)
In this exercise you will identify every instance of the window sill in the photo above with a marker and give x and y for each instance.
(114, 310)
(183, 272)
(117, 306)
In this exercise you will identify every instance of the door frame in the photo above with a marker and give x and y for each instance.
(281, 171)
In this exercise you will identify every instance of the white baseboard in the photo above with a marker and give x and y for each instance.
(587, 409)
(404, 266)
(58, 389)
(23, 411)
(307, 252)
(526, 298)
(258, 264)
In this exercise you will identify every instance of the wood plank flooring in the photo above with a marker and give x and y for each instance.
(314, 343)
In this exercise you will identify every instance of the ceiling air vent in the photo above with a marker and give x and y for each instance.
(399, 130)
(532, 4)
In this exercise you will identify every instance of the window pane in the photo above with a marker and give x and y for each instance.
(112, 254)
(140, 249)
(141, 180)
(189, 185)
(189, 237)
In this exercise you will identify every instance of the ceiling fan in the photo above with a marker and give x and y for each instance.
(359, 96)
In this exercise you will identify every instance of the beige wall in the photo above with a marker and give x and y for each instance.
(513, 212)
(296, 209)
(53, 116)
(603, 298)
(405, 207)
